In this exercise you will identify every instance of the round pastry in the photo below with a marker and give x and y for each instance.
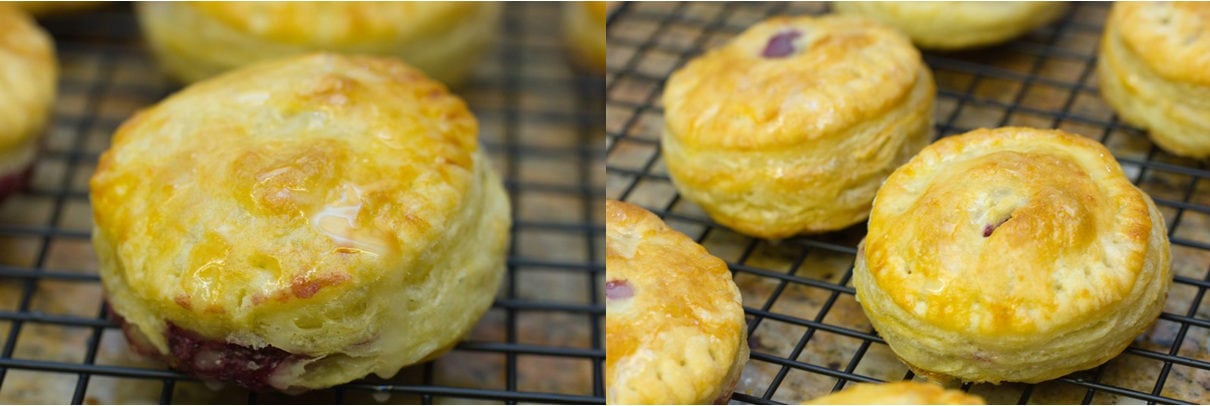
(674, 321)
(300, 223)
(1012, 254)
(955, 25)
(584, 30)
(196, 40)
(898, 393)
(791, 126)
(28, 78)
(1154, 70)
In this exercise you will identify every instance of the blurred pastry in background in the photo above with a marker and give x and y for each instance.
(791, 126)
(1011, 255)
(300, 223)
(897, 393)
(584, 33)
(957, 25)
(196, 40)
(41, 9)
(675, 331)
(29, 75)
(1154, 70)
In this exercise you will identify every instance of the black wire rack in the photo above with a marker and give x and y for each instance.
(541, 123)
(808, 335)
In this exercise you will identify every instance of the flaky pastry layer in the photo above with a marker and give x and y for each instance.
(196, 40)
(956, 25)
(1012, 254)
(584, 28)
(1154, 70)
(676, 335)
(773, 147)
(29, 74)
(334, 207)
(897, 393)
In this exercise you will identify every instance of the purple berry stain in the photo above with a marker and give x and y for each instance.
(781, 45)
(618, 289)
(990, 228)
(218, 360)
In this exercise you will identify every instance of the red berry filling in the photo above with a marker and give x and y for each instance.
(991, 228)
(781, 45)
(618, 289)
(14, 182)
(222, 361)
(212, 359)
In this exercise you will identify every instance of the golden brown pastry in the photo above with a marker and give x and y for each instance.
(196, 40)
(791, 126)
(674, 322)
(1012, 254)
(955, 25)
(584, 30)
(49, 8)
(28, 77)
(300, 223)
(1154, 70)
(897, 393)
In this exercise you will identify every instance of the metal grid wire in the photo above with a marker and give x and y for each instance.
(808, 335)
(541, 123)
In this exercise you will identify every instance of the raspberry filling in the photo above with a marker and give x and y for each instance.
(990, 228)
(222, 361)
(618, 289)
(214, 360)
(781, 45)
(14, 182)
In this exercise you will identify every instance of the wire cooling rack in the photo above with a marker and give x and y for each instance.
(541, 123)
(808, 334)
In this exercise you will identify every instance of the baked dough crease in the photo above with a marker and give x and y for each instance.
(300, 223)
(791, 126)
(674, 321)
(1011, 254)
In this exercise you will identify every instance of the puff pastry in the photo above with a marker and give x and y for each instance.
(791, 126)
(28, 79)
(956, 25)
(1011, 254)
(674, 321)
(196, 40)
(898, 393)
(300, 223)
(584, 27)
(1154, 70)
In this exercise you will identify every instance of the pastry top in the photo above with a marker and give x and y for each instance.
(295, 181)
(790, 79)
(28, 76)
(1173, 38)
(898, 393)
(664, 293)
(597, 10)
(336, 24)
(1008, 232)
(951, 25)
(966, 13)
